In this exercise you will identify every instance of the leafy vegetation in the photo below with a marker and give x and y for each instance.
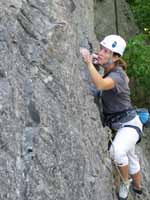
(137, 55)
(141, 11)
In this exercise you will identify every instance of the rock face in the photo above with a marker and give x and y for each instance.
(52, 142)
(114, 17)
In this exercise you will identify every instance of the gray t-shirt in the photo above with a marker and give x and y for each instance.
(118, 98)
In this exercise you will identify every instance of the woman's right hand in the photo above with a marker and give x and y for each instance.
(86, 55)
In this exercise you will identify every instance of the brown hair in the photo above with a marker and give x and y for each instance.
(120, 62)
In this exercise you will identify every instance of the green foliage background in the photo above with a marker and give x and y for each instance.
(137, 55)
(141, 11)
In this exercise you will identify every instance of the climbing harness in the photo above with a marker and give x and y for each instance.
(116, 120)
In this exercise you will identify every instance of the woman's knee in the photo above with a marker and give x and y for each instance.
(118, 155)
(134, 167)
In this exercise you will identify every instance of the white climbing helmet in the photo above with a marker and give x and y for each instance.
(115, 43)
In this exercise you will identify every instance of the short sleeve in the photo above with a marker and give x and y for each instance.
(120, 80)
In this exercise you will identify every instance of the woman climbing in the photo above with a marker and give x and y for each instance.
(117, 109)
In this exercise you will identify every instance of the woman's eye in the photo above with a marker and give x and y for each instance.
(105, 50)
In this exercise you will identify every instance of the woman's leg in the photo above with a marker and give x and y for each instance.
(137, 180)
(134, 168)
(124, 172)
(124, 141)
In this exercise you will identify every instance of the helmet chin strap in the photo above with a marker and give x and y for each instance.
(109, 62)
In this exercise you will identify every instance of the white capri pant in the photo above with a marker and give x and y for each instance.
(122, 150)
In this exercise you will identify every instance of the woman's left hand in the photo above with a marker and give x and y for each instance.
(86, 55)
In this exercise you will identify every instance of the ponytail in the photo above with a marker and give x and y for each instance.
(120, 62)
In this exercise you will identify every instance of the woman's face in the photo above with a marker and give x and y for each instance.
(104, 55)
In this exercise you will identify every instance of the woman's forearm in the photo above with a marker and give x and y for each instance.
(97, 79)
